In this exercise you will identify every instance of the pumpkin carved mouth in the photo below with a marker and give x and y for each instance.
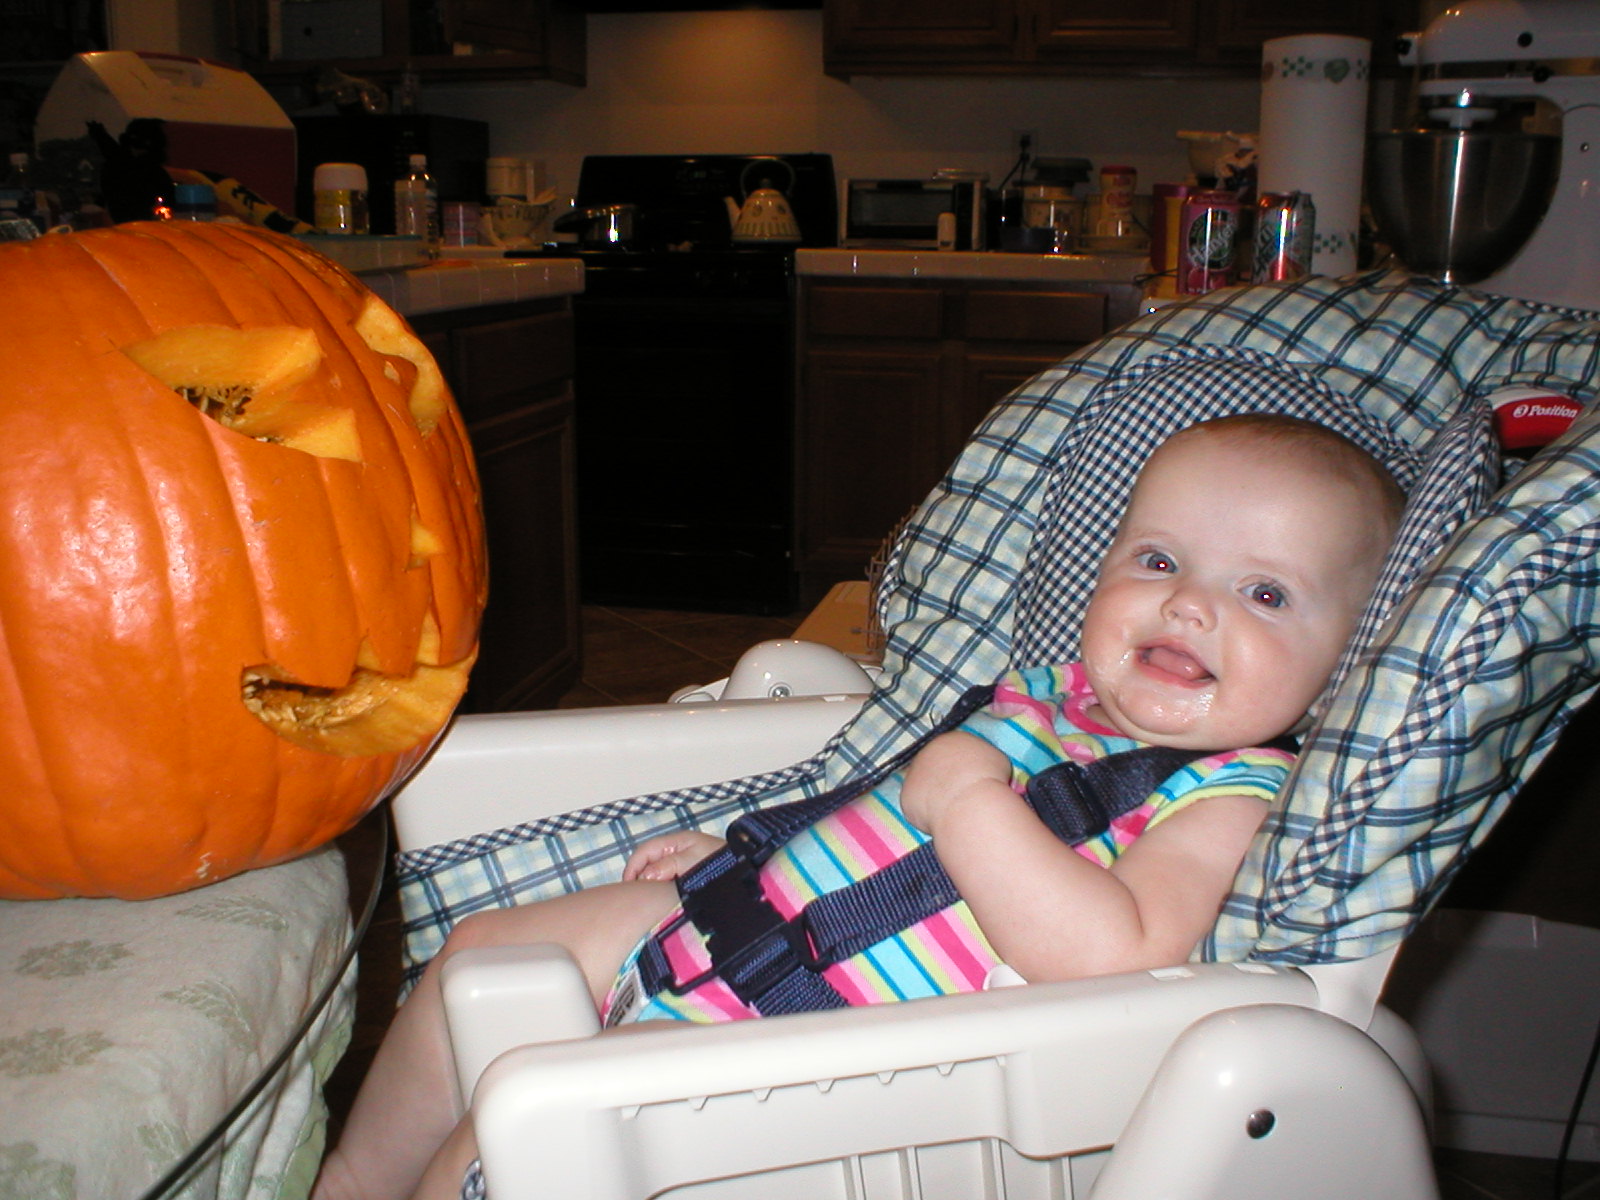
(373, 713)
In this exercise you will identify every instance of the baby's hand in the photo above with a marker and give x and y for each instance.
(670, 855)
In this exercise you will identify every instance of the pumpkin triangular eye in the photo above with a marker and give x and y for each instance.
(247, 380)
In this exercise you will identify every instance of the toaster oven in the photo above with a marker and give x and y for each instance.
(906, 212)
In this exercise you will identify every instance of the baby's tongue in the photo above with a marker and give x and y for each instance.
(1176, 662)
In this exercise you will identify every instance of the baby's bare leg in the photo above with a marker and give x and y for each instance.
(407, 1106)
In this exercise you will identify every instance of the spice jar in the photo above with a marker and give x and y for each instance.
(341, 198)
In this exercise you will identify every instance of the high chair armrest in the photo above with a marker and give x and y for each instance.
(497, 769)
(499, 997)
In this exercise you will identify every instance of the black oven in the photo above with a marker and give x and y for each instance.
(685, 388)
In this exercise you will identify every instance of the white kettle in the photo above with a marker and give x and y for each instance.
(765, 215)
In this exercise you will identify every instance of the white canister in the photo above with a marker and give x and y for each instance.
(341, 198)
(506, 177)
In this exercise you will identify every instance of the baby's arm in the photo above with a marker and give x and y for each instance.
(948, 768)
(669, 856)
(1048, 911)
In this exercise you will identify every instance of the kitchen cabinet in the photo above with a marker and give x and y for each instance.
(1146, 37)
(894, 377)
(511, 39)
(510, 367)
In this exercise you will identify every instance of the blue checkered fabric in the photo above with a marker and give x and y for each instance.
(1457, 682)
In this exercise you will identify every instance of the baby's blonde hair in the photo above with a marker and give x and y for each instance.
(1322, 447)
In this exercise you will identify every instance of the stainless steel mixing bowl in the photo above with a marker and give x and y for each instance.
(1458, 204)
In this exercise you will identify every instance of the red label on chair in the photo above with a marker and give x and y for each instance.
(1526, 418)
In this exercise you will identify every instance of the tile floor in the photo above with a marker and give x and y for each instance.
(640, 656)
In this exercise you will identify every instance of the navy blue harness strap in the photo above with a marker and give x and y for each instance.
(775, 965)
(758, 834)
(771, 963)
(1078, 801)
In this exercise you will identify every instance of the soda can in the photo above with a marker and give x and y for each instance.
(1285, 222)
(1207, 231)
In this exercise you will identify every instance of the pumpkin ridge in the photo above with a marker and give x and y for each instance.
(330, 317)
(132, 766)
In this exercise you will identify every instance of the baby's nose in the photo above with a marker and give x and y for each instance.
(1191, 603)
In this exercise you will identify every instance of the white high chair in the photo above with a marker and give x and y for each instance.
(1263, 1066)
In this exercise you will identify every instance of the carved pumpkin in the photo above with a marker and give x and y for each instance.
(241, 557)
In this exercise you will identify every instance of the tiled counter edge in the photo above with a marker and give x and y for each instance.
(1119, 276)
(439, 287)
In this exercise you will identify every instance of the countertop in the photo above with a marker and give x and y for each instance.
(965, 264)
(466, 283)
(457, 283)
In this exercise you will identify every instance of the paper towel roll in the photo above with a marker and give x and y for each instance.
(1314, 135)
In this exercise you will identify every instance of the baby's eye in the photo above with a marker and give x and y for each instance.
(1157, 560)
(1268, 594)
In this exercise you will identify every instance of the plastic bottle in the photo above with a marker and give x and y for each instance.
(194, 202)
(416, 203)
(17, 193)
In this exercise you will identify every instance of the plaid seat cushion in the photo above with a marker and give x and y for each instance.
(993, 570)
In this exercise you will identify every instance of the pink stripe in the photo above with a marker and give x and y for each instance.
(717, 997)
(944, 942)
(1043, 713)
(865, 840)
(687, 957)
(956, 949)
(849, 982)
(868, 837)
(780, 884)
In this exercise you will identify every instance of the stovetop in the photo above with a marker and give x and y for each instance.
(681, 199)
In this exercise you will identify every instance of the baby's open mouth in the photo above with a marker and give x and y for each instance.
(1175, 662)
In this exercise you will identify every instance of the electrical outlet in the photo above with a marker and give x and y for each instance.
(1025, 141)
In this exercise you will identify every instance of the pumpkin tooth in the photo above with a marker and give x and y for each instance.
(424, 543)
(373, 713)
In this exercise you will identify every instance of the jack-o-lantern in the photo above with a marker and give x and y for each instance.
(241, 556)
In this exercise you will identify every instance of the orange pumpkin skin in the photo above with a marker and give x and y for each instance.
(156, 564)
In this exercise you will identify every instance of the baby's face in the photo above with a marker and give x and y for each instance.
(1222, 607)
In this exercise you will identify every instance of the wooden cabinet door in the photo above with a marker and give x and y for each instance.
(1149, 30)
(988, 377)
(510, 39)
(1044, 37)
(871, 447)
(530, 633)
(1239, 27)
(936, 30)
(513, 380)
(1011, 334)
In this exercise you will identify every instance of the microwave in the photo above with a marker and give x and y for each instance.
(906, 212)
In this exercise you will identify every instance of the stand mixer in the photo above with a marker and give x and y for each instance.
(1499, 184)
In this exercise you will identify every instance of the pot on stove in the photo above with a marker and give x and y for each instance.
(608, 226)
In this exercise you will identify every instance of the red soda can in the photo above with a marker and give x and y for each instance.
(1207, 231)
(1285, 222)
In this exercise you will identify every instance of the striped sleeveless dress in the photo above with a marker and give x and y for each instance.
(1038, 717)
